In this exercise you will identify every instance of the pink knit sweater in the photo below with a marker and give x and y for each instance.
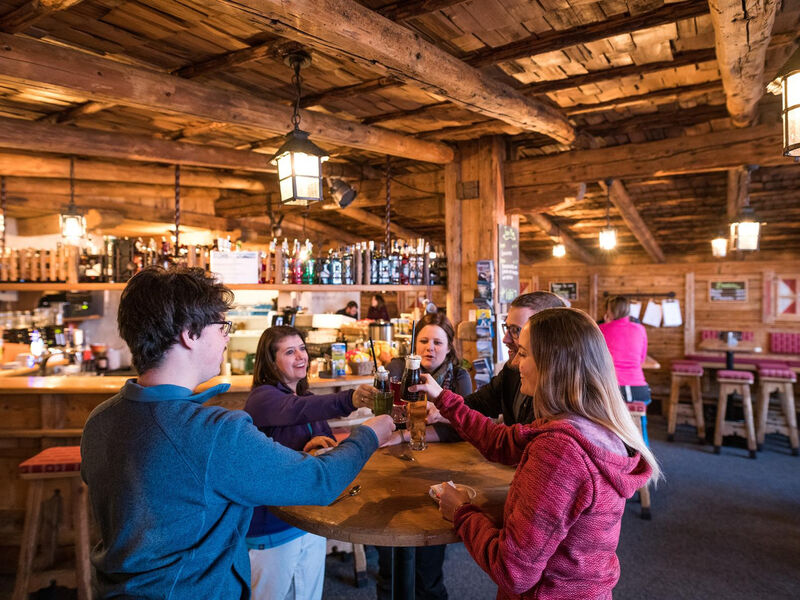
(561, 519)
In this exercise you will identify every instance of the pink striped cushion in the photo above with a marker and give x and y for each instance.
(686, 367)
(784, 343)
(744, 376)
(778, 373)
(53, 460)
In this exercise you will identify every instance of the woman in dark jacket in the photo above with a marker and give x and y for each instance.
(283, 557)
(434, 336)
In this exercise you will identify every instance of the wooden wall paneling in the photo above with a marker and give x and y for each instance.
(768, 292)
(594, 284)
(688, 311)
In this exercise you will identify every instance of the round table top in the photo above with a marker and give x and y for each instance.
(393, 507)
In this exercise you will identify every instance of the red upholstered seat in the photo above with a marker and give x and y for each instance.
(784, 343)
(743, 376)
(59, 459)
(686, 367)
(778, 372)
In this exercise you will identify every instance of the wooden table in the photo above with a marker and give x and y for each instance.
(718, 344)
(394, 508)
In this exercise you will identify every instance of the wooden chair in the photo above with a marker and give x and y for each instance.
(781, 379)
(638, 411)
(735, 382)
(57, 463)
(688, 373)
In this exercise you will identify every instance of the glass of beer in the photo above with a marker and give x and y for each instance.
(417, 415)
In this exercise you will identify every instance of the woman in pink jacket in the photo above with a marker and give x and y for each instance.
(576, 465)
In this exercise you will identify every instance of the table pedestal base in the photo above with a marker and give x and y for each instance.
(403, 573)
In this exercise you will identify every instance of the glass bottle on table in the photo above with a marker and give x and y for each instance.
(415, 403)
(384, 399)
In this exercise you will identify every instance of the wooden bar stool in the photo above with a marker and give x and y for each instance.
(60, 462)
(688, 373)
(735, 382)
(638, 411)
(781, 379)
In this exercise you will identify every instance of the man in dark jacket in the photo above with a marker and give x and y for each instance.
(502, 396)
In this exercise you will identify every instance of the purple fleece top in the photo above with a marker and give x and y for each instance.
(291, 420)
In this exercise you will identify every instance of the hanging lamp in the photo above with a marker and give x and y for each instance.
(608, 235)
(788, 84)
(745, 231)
(299, 160)
(559, 251)
(73, 221)
(719, 246)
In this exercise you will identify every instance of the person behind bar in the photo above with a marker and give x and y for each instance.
(286, 562)
(350, 310)
(627, 343)
(434, 336)
(502, 395)
(377, 309)
(576, 464)
(172, 481)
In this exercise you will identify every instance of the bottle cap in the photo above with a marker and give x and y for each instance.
(413, 361)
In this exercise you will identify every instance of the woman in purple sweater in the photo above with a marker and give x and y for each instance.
(283, 558)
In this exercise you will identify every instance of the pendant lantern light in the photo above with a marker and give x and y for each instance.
(299, 160)
(789, 80)
(73, 221)
(719, 246)
(745, 230)
(559, 251)
(608, 235)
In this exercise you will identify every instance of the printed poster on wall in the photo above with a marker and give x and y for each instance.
(566, 289)
(508, 268)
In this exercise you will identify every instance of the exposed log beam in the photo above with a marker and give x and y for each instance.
(235, 58)
(367, 218)
(717, 151)
(348, 91)
(353, 31)
(742, 31)
(191, 130)
(30, 12)
(299, 225)
(41, 137)
(472, 131)
(548, 198)
(646, 98)
(403, 10)
(108, 81)
(558, 40)
(52, 167)
(76, 112)
(738, 188)
(679, 60)
(551, 230)
(402, 114)
(621, 199)
(659, 120)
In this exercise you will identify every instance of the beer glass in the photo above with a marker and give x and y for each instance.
(417, 414)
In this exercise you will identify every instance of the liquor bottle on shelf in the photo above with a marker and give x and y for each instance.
(366, 270)
(336, 268)
(394, 265)
(325, 269)
(375, 262)
(384, 267)
(296, 264)
(286, 263)
(309, 264)
(347, 266)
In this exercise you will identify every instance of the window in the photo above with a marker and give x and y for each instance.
(787, 297)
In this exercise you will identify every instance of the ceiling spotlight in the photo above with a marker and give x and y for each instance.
(343, 194)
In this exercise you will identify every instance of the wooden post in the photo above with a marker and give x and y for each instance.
(594, 285)
(452, 216)
(688, 322)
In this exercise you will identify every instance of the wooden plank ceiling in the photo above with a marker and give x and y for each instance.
(641, 106)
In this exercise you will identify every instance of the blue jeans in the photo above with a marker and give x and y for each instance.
(638, 393)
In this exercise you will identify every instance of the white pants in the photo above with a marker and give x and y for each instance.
(292, 571)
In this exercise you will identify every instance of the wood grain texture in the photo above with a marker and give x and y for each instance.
(622, 201)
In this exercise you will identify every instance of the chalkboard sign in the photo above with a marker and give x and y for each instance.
(565, 289)
(727, 291)
(508, 272)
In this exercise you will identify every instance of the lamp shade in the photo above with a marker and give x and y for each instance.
(299, 162)
(744, 235)
(608, 238)
(719, 247)
(789, 77)
(559, 251)
(73, 226)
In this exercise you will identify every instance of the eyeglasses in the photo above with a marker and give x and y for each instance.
(226, 326)
(513, 330)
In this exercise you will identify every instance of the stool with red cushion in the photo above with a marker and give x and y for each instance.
(735, 382)
(60, 462)
(781, 379)
(689, 373)
(638, 411)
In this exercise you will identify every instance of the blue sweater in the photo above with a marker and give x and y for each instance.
(172, 484)
(290, 420)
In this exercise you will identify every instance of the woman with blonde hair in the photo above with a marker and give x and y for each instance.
(577, 463)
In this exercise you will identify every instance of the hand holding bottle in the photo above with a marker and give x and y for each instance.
(429, 386)
(364, 395)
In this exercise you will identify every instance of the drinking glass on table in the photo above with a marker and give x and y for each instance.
(417, 420)
(398, 404)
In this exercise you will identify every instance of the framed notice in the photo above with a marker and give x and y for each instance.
(508, 263)
(565, 289)
(727, 291)
(235, 267)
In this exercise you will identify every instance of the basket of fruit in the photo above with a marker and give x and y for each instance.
(359, 362)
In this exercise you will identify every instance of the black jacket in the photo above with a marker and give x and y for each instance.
(497, 398)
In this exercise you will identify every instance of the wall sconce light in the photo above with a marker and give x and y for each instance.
(299, 160)
(73, 221)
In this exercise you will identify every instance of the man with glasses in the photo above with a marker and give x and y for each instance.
(173, 482)
(502, 395)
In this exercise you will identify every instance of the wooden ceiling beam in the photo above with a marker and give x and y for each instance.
(54, 167)
(347, 29)
(540, 199)
(109, 81)
(555, 233)
(716, 151)
(558, 40)
(229, 60)
(31, 12)
(646, 98)
(17, 134)
(742, 31)
(621, 199)
(404, 10)
(738, 190)
(348, 91)
(367, 218)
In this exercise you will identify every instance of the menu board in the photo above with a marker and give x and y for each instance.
(508, 271)
(727, 291)
(565, 289)
(235, 267)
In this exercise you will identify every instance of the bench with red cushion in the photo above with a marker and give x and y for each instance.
(59, 459)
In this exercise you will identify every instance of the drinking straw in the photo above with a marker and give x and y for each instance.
(372, 351)
(413, 336)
